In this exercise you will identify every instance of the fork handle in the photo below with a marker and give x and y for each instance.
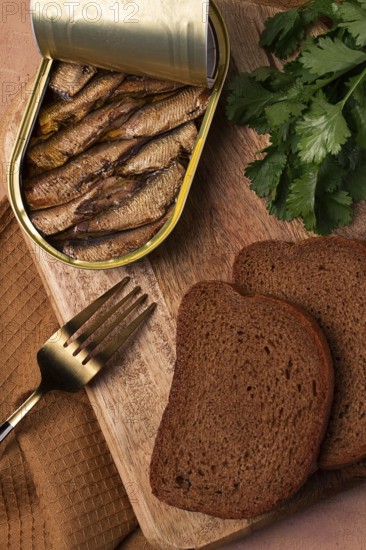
(20, 413)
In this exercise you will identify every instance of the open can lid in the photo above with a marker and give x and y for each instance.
(164, 39)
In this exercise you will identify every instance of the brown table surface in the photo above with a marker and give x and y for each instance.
(338, 522)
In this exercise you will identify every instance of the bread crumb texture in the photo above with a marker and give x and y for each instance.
(248, 407)
(327, 277)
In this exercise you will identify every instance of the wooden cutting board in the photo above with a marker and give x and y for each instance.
(221, 216)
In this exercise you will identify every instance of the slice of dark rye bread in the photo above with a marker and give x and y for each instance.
(248, 407)
(327, 277)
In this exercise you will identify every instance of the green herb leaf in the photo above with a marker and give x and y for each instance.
(332, 210)
(355, 182)
(317, 199)
(281, 112)
(301, 199)
(330, 56)
(354, 20)
(330, 175)
(357, 110)
(313, 10)
(322, 130)
(277, 201)
(264, 73)
(314, 112)
(272, 79)
(247, 101)
(265, 174)
(358, 115)
(297, 71)
(282, 32)
(350, 155)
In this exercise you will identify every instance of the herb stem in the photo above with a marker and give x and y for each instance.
(352, 89)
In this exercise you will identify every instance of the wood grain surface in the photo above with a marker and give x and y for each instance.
(221, 216)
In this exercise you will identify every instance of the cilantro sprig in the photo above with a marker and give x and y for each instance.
(314, 111)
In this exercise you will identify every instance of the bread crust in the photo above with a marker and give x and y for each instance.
(165, 460)
(342, 260)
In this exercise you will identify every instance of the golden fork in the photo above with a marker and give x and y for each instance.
(69, 366)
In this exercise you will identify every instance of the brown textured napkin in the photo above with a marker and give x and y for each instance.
(59, 486)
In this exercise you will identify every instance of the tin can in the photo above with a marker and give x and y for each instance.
(217, 62)
(160, 37)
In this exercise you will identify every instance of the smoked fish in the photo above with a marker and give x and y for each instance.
(147, 205)
(140, 86)
(162, 116)
(76, 138)
(106, 193)
(161, 151)
(113, 246)
(69, 78)
(54, 115)
(77, 176)
(107, 159)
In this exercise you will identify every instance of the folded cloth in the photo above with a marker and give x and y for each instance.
(60, 489)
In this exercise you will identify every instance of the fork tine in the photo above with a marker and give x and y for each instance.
(78, 321)
(100, 321)
(94, 343)
(113, 346)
